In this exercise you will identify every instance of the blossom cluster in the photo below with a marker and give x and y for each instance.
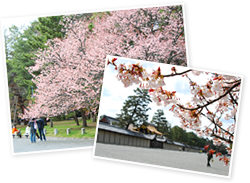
(215, 100)
(65, 82)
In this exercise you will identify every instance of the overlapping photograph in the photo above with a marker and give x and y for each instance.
(168, 116)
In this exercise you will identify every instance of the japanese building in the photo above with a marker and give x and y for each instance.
(144, 136)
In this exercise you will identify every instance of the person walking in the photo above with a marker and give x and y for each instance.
(31, 124)
(40, 124)
(210, 156)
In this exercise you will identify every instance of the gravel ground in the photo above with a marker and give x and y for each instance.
(23, 144)
(162, 157)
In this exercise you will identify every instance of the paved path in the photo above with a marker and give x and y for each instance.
(23, 144)
(167, 158)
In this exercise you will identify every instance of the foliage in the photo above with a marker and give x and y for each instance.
(21, 46)
(161, 123)
(189, 138)
(134, 109)
(68, 80)
(49, 28)
(18, 56)
(215, 99)
(155, 34)
(86, 44)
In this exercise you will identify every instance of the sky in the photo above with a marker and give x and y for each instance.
(114, 93)
(19, 21)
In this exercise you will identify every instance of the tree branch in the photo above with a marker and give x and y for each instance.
(170, 75)
(222, 138)
(215, 100)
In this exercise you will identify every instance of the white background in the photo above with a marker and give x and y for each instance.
(218, 40)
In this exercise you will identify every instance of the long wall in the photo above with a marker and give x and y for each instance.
(171, 146)
(177, 147)
(189, 149)
(120, 139)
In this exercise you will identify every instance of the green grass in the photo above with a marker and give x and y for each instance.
(61, 126)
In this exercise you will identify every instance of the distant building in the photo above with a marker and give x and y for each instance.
(109, 120)
(134, 136)
(115, 135)
(148, 128)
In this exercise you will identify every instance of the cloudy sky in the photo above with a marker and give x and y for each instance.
(19, 21)
(114, 93)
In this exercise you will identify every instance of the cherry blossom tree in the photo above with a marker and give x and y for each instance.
(69, 80)
(155, 34)
(71, 68)
(215, 100)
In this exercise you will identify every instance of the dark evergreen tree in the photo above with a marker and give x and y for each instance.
(161, 122)
(19, 59)
(48, 28)
(194, 140)
(178, 134)
(134, 109)
(21, 46)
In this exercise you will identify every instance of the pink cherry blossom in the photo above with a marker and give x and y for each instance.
(215, 100)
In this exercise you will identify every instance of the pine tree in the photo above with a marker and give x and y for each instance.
(21, 46)
(48, 28)
(161, 122)
(134, 109)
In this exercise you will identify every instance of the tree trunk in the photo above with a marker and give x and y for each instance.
(127, 125)
(84, 121)
(16, 120)
(25, 122)
(76, 119)
(64, 117)
(93, 117)
(51, 123)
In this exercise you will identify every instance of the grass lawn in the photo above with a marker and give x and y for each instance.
(61, 126)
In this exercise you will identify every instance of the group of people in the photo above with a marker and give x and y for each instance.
(36, 124)
(33, 126)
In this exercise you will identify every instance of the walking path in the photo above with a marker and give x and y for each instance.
(162, 157)
(23, 144)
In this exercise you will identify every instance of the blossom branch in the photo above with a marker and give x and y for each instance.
(215, 100)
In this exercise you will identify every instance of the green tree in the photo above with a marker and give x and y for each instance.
(178, 134)
(47, 28)
(194, 140)
(18, 57)
(11, 36)
(161, 122)
(21, 46)
(218, 148)
(134, 109)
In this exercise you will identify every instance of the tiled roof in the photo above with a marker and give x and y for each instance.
(106, 127)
